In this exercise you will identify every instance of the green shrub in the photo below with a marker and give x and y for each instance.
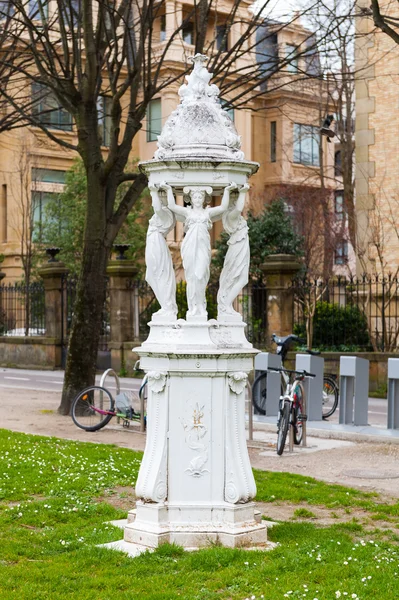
(338, 328)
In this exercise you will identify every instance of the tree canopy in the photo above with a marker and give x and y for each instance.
(272, 232)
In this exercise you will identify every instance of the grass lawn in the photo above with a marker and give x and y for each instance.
(55, 501)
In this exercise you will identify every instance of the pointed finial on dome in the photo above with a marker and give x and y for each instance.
(198, 59)
(198, 87)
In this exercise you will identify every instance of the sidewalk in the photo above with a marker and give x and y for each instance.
(361, 464)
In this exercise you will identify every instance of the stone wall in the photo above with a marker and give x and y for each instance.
(30, 352)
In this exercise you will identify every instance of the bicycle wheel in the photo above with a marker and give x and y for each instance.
(330, 396)
(298, 415)
(90, 409)
(283, 427)
(259, 393)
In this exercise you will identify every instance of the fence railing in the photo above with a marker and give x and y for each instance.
(250, 303)
(341, 313)
(22, 309)
(348, 313)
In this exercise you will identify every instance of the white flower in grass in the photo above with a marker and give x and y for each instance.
(338, 594)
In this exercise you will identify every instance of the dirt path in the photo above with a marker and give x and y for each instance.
(363, 465)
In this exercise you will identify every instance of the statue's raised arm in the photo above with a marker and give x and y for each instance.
(180, 211)
(217, 212)
(234, 275)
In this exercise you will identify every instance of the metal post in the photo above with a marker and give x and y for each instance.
(143, 399)
(250, 413)
(354, 387)
(313, 387)
(291, 437)
(305, 412)
(393, 393)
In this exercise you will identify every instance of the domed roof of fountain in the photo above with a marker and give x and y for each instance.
(199, 128)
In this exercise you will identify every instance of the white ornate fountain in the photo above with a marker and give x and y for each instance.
(195, 484)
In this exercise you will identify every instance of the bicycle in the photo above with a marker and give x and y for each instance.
(292, 408)
(330, 387)
(94, 407)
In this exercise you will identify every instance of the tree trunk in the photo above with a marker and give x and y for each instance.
(80, 368)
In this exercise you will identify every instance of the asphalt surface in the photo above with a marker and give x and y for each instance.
(50, 381)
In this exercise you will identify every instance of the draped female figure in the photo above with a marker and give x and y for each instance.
(196, 246)
(234, 275)
(160, 273)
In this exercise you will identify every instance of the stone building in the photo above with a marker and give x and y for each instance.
(279, 128)
(377, 127)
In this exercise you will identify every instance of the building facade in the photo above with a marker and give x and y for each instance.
(377, 130)
(279, 127)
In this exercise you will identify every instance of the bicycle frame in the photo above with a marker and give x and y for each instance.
(289, 396)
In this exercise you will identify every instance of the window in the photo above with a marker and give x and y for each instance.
(291, 53)
(48, 175)
(338, 163)
(341, 253)
(188, 34)
(227, 108)
(37, 8)
(6, 9)
(104, 104)
(312, 57)
(222, 38)
(306, 144)
(162, 32)
(273, 140)
(339, 206)
(154, 120)
(47, 109)
(39, 201)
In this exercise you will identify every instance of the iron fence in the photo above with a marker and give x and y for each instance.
(250, 304)
(348, 313)
(22, 309)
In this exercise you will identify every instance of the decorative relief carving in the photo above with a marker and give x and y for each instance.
(157, 381)
(151, 483)
(237, 381)
(195, 433)
(240, 484)
(222, 337)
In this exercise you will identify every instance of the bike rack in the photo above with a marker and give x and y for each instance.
(393, 393)
(313, 387)
(354, 390)
(118, 385)
(263, 361)
(105, 375)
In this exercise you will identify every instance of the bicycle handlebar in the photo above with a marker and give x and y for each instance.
(281, 369)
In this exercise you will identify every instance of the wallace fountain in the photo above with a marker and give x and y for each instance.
(195, 486)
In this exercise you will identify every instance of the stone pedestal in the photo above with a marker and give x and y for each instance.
(280, 270)
(122, 308)
(52, 275)
(195, 482)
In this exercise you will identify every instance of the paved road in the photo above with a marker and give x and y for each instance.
(50, 381)
(53, 380)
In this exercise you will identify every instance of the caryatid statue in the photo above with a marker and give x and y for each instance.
(234, 275)
(160, 273)
(196, 246)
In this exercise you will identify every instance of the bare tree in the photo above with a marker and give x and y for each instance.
(89, 50)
